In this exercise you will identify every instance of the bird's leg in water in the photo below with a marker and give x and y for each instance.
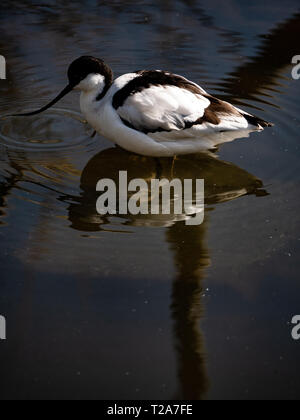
(173, 166)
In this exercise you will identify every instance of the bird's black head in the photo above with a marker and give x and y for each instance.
(78, 72)
(86, 65)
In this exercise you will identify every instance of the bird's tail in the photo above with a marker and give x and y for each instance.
(257, 122)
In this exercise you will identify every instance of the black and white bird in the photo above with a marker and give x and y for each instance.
(152, 112)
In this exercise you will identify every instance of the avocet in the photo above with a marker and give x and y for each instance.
(152, 112)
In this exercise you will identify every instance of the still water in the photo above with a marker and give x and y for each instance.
(141, 307)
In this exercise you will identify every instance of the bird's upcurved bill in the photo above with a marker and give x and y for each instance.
(66, 90)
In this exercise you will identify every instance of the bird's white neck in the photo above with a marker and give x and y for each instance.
(91, 88)
(92, 83)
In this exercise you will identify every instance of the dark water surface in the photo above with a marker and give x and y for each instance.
(145, 307)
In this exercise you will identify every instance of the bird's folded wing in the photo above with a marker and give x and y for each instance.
(162, 108)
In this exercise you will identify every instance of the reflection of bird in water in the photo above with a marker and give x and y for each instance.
(152, 113)
(191, 258)
(223, 182)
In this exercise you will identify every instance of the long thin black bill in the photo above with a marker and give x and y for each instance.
(60, 96)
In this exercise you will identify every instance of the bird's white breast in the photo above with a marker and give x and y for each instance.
(92, 109)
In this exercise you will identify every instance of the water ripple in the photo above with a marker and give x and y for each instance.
(55, 130)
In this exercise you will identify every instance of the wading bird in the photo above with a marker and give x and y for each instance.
(152, 112)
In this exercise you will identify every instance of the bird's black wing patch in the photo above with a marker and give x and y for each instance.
(146, 79)
(258, 122)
